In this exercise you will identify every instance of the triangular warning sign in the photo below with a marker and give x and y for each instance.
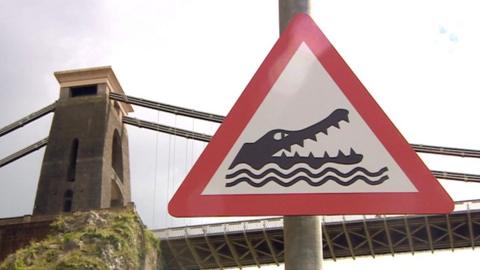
(306, 138)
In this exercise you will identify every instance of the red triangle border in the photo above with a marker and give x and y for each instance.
(188, 202)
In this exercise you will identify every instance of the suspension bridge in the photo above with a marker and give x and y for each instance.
(260, 241)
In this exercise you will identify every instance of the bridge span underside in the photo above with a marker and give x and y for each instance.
(257, 242)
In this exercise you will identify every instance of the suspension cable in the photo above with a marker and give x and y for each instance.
(27, 119)
(25, 151)
(206, 138)
(428, 149)
(167, 108)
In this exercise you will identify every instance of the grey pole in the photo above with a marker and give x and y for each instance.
(302, 234)
(288, 8)
(303, 243)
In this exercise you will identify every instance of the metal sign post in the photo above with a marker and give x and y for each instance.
(302, 234)
(303, 242)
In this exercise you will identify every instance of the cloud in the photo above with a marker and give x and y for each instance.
(38, 38)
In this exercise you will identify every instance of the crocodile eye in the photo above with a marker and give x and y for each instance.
(284, 134)
(277, 136)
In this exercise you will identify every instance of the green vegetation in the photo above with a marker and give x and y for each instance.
(91, 240)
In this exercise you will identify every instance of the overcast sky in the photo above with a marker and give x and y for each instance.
(419, 60)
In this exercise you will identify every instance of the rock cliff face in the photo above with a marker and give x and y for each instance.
(103, 239)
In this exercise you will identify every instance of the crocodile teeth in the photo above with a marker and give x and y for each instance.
(340, 154)
(313, 137)
(325, 155)
(324, 131)
(300, 143)
(352, 152)
(310, 155)
(296, 154)
(337, 125)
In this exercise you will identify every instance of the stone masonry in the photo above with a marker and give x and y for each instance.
(86, 162)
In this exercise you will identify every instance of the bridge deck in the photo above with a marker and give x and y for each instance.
(258, 242)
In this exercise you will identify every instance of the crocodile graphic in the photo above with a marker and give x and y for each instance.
(261, 152)
(264, 151)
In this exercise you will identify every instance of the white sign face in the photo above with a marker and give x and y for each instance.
(306, 137)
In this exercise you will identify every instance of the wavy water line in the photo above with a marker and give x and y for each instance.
(308, 181)
(270, 166)
(307, 172)
(302, 174)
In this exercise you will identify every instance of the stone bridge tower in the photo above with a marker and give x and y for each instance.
(86, 162)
